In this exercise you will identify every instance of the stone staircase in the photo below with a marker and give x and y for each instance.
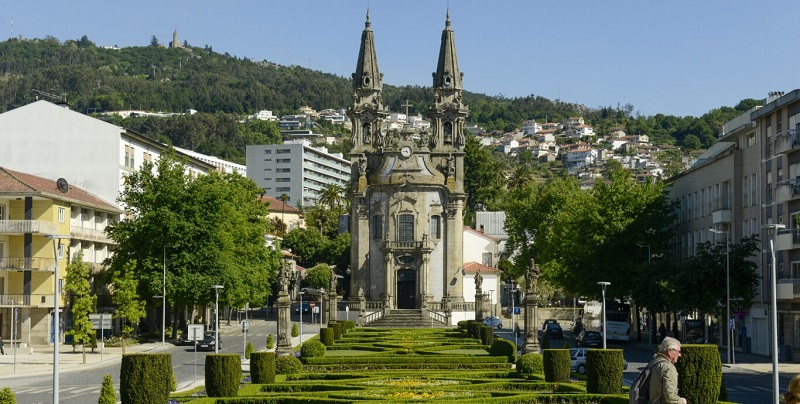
(406, 318)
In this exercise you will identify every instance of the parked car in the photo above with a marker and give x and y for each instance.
(548, 321)
(493, 321)
(208, 342)
(589, 339)
(554, 331)
(306, 308)
(183, 339)
(578, 360)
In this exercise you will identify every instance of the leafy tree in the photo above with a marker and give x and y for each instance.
(129, 308)
(483, 176)
(154, 41)
(691, 142)
(333, 197)
(319, 276)
(84, 302)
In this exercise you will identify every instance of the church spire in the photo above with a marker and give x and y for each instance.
(367, 76)
(448, 112)
(447, 73)
(368, 112)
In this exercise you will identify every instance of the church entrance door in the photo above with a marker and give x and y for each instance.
(406, 289)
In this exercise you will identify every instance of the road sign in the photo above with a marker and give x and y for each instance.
(311, 304)
(731, 324)
(195, 332)
(100, 321)
(516, 310)
(245, 325)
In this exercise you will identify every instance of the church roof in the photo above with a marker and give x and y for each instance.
(447, 68)
(474, 267)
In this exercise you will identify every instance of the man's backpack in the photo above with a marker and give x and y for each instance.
(640, 388)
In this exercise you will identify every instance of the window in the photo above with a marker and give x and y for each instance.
(148, 157)
(377, 227)
(267, 151)
(129, 159)
(283, 189)
(283, 170)
(61, 250)
(283, 151)
(487, 259)
(2, 212)
(283, 160)
(62, 213)
(281, 180)
(405, 228)
(436, 223)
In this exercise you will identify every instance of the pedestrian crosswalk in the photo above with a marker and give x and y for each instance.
(62, 390)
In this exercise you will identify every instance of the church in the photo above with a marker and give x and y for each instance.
(407, 189)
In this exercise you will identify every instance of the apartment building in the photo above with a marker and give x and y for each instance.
(295, 169)
(32, 210)
(719, 196)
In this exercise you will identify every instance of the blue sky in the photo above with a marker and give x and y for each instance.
(676, 57)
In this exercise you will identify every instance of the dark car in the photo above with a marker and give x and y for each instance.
(208, 342)
(548, 321)
(589, 339)
(183, 339)
(554, 331)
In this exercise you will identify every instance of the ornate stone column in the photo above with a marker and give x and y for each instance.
(478, 297)
(284, 344)
(362, 307)
(531, 306)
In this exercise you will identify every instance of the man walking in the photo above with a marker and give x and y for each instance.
(664, 376)
(2, 348)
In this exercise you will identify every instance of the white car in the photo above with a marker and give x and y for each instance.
(578, 360)
(493, 321)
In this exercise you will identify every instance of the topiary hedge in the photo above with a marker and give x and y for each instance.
(604, 371)
(288, 365)
(699, 373)
(530, 364)
(475, 329)
(107, 393)
(326, 335)
(223, 373)
(7, 396)
(262, 367)
(248, 350)
(501, 347)
(295, 330)
(337, 330)
(145, 378)
(487, 335)
(312, 349)
(556, 365)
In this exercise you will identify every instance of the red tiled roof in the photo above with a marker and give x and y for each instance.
(473, 267)
(275, 205)
(15, 182)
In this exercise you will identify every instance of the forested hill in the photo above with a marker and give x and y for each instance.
(154, 78)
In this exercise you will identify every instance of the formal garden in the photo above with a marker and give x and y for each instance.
(370, 365)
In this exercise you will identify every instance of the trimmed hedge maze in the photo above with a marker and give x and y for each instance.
(370, 365)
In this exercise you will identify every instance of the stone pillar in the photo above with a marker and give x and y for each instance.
(284, 346)
(333, 306)
(479, 306)
(531, 323)
(362, 308)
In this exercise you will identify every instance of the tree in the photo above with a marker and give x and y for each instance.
(319, 276)
(84, 302)
(154, 41)
(124, 294)
(691, 142)
(483, 176)
(332, 197)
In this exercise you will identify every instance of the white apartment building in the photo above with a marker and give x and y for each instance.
(295, 169)
(530, 127)
(51, 141)
(218, 163)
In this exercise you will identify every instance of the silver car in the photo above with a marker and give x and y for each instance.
(493, 321)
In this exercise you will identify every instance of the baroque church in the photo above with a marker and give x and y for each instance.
(407, 194)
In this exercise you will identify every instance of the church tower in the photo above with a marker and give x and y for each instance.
(407, 193)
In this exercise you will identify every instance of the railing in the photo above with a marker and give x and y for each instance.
(786, 141)
(30, 263)
(407, 245)
(437, 316)
(85, 233)
(27, 226)
(787, 190)
(442, 306)
(37, 300)
(374, 305)
(372, 317)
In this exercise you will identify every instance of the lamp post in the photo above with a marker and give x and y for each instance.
(216, 316)
(775, 375)
(321, 311)
(164, 300)
(13, 326)
(491, 300)
(603, 285)
(729, 333)
(650, 330)
(56, 319)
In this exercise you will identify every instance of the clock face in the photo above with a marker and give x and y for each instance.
(405, 151)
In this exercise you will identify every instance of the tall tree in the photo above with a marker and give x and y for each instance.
(130, 309)
(83, 303)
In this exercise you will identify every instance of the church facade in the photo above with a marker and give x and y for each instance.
(407, 194)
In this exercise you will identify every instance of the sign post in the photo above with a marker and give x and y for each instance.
(101, 321)
(195, 333)
(245, 326)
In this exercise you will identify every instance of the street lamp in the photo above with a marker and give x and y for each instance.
(728, 292)
(603, 285)
(216, 317)
(775, 382)
(321, 311)
(56, 319)
(651, 318)
(164, 300)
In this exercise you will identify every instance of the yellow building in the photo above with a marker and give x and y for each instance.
(32, 211)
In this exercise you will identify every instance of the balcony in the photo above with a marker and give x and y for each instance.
(787, 239)
(721, 212)
(409, 245)
(786, 142)
(44, 301)
(788, 289)
(26, 264)
(787, 190)
(27, 226)
(85, 233)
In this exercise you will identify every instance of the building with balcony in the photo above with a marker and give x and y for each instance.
(32, 210)
(721, 195)
(295, 169)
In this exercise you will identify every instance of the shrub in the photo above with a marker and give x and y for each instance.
(723, 391)
(487, 336)
(462, 325)
(337, 330)
(248, 350)
(295, 330)
(530, 364)
(556, 365)
(468, 326)
(107, 393)
(351, 325)
(501, 347)
(566, 345)
(270, 341)
(326, 336)
(223, 372)
(287, 365)
(7, 396)
(312, 348)
(699, 373)
(145, 378)
(475, 329)
(604, 371)
(262, 367)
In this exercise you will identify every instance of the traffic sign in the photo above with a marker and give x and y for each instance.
(245, 325)
(195, 332)
(311, 304)
(731, 324)
(100, 321)
(516, 310)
